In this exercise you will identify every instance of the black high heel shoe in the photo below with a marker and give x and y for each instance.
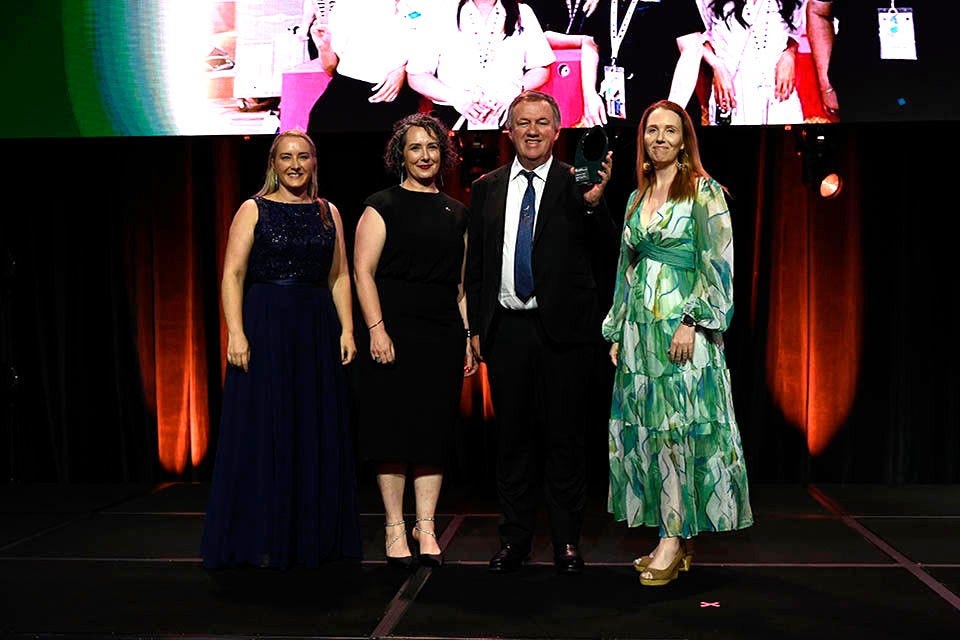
(427, 559)
(399, 562)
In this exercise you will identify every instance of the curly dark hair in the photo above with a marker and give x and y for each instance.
(393, 154)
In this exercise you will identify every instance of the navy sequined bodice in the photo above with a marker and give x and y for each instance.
(291, 243)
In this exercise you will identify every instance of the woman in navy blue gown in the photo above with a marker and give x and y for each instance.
(284, 487)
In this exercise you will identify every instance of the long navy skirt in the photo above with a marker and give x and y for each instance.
(284, 490)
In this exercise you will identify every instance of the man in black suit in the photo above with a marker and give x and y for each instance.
(532, 299)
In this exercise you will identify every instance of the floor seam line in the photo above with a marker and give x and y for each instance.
(914, 568)
(411, 587)
(86, 515)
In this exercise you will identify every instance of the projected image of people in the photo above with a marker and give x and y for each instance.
(313, 24)
(364, 46)
(480, 55)
(751, 47)
(885, 61)
(648, 51)
(564, 23)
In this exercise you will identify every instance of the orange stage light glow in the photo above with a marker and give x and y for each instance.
(814, 334)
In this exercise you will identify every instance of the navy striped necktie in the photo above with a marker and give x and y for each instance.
(523, 255)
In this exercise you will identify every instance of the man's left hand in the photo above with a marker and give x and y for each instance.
(592, 195)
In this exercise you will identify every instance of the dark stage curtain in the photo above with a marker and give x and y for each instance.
(111, 336)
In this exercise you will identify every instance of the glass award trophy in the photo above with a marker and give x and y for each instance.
(591, 150)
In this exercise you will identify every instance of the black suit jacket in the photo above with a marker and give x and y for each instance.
(566, 240)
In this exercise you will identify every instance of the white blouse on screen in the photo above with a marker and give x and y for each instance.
(373, 37)
(477, 58)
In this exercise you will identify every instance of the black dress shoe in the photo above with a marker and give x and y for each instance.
(509, 558)
(568, 560)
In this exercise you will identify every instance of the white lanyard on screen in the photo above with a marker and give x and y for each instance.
(617, 34)
(572, 8)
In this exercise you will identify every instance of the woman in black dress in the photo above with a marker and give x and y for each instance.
(408, 263)
(284, 485)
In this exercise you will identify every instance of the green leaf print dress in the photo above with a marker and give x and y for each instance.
(676, 461)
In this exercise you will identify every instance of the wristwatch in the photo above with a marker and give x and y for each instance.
(688, 320)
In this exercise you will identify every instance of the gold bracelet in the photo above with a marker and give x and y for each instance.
(380, 321)
(827, 90)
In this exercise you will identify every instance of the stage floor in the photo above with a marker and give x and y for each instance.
(823, 562)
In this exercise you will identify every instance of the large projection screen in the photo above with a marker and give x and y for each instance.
(94, 68)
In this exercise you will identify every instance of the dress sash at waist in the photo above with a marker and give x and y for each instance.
(682, 258)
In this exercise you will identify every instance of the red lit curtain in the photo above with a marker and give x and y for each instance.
(174, 298)
(815, 288)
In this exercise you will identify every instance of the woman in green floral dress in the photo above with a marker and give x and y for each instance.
(676, 461)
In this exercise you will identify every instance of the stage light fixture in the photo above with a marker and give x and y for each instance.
(821, 169)
(831, 185)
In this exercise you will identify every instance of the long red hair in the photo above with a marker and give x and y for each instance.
(684, 185)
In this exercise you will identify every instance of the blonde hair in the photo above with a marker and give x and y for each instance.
(271, 182)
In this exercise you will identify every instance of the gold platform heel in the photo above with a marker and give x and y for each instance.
(640, 564)
(660, 577)
(687, 554)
